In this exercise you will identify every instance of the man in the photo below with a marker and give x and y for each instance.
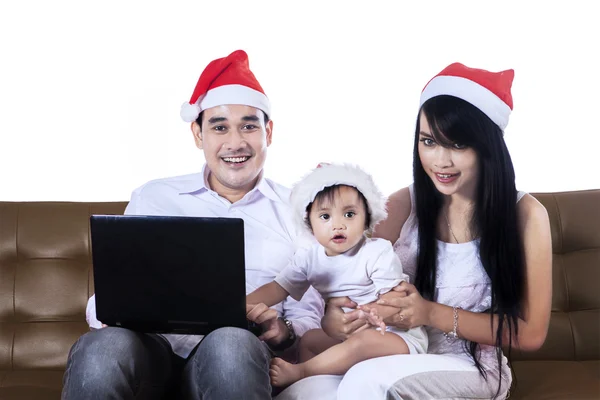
(229, 115)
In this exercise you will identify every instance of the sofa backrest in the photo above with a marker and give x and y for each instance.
(45, 280)
(574, 332)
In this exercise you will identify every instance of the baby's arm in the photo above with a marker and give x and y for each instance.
(270, 294)
(386, 273)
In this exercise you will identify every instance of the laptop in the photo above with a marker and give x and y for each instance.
(163, 274)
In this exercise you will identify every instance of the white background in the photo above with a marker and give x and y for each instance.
(90, 91)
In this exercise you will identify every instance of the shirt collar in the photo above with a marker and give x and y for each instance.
(201, 185)
(198, 185)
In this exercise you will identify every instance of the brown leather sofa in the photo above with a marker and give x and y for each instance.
(46, 279)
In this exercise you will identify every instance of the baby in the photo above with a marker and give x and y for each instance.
(339, 205)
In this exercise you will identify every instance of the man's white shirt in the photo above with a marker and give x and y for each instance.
(269, 233)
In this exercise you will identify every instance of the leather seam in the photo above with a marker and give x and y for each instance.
(12, 351)
(565, 277)
(560, 227)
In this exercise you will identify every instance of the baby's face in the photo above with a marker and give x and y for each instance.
(339, 225)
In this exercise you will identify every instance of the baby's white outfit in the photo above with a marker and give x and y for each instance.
(362, 273)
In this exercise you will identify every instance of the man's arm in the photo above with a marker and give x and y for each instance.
(90, 310)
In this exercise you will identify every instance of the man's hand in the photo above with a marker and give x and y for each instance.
(274, 330)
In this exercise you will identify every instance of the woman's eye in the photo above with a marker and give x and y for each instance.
(324, 217)
(427, 141)
(459, 146)
(349, 214)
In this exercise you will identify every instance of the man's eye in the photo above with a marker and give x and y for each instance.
(250, 127)
(219, 128)
(349, 214)
(427, 141)
(324, 217)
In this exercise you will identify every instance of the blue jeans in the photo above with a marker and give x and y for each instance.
(116, 363)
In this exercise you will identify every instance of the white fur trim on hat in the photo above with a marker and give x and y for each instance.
(472, 92)
(305, 191)
(227, 94)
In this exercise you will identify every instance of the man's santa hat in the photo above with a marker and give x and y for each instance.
(226, 80)
(326, 175)
(488, 91)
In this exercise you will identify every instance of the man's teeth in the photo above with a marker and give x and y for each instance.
(235, 159)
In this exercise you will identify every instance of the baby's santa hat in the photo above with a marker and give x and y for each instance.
(226, 80)
(326, 175)
(488, 91)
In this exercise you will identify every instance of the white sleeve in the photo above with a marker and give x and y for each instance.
(90, 313)
(294, 278)
(134, 203)
(305, 314)
(386, 272)
(90, 309)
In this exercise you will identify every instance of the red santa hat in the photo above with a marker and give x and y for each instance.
(326, 175)
(226, 80)
(488, 91)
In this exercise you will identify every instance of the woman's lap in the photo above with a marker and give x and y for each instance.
(403, 377)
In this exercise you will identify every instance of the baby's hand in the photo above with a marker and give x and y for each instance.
(374, 320)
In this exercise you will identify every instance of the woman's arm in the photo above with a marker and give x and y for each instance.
(270, 294)
(533, 327)
(398, 206)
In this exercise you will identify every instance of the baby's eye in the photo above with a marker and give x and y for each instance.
(349, 214)
(324, 217)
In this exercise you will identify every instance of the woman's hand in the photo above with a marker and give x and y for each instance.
(340, 325)
(413, 310)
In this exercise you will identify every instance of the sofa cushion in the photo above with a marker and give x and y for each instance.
(554, 380)
(46, 279)
(29, 384)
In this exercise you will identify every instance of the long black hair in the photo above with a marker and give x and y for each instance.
(494, 221)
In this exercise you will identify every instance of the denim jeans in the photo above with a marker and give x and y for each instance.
(116, 363)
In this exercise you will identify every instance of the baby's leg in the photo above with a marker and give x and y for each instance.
(338, 359)
(314, 342)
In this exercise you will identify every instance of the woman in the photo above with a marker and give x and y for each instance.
(478, 253)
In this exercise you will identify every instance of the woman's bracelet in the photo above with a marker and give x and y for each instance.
(454, 334)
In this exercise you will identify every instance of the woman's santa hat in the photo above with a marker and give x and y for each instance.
(226, 80)
(488, 91)
(326, 175)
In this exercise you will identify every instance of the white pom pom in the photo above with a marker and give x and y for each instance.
(189, 112)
